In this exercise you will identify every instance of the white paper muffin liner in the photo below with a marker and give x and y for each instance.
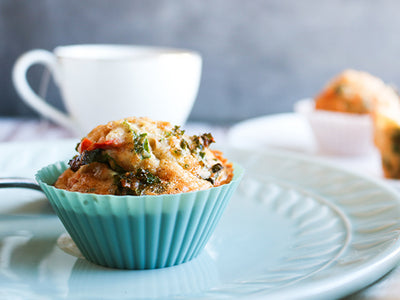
(338, 133)
(138, 232)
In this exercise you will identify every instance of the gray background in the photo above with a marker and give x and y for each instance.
(259, 56)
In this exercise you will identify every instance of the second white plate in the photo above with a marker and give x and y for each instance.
(291, 131)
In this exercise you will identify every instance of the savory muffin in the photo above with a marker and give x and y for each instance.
(355, 92)
(387, 140)
(138, 156)
(123, 199)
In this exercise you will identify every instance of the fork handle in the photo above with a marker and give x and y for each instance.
(18, 182)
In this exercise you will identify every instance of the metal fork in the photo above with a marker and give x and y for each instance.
(18, 182)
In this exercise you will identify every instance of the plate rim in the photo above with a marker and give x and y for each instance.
(382, 263)
(348, 283)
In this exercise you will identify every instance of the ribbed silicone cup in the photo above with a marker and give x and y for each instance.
(138, 232)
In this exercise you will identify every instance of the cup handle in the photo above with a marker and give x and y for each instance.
(24, 90)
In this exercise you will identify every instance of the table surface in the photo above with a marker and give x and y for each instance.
(12, 130)
(16, 129)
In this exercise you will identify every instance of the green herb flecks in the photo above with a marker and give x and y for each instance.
(141, 145)
(96, 155)
(140, 141)
(176, 131)
(178, 152)
(197, 144)
(339, 89)
(395, 138)
(216, 168)
(85, 158)
(208, 139)
(147, 178)
(200, 142)
(136, 183)
(202, 154)
(184, 144)
(128, 126)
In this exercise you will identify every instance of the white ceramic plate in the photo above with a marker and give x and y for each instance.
(296, 228)
(291, 131)
(287, 131)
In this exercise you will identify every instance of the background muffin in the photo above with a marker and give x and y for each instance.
(387, 140)
(340, 116)
(355, 92)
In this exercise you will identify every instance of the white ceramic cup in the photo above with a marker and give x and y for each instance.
(101, 83)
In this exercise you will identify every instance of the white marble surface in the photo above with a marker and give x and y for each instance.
(29, 130)
(12, 129)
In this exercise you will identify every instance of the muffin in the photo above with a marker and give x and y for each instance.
(387, 140)
(141, 194)
(355, 92)
(138, 156)
(340, 115)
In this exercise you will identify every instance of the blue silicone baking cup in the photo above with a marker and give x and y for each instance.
(138, 232)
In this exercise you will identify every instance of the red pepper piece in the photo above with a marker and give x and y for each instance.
(88, 145)
(105, 144)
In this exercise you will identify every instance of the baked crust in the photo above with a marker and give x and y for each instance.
(140, 156)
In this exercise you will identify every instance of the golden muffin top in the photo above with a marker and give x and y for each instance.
(139, 156)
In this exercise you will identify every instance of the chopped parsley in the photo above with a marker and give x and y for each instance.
(339, 89)
(140, 141)
(216, 168)
(199, 142)
(176, 131)
(184, 144)
(208, 139)
(202, 154)
(135, 183)
(178, 151)
(128, 126)
(96, 155)
(145, 177)
(395, 138)
(85, 158)
(141, 145)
